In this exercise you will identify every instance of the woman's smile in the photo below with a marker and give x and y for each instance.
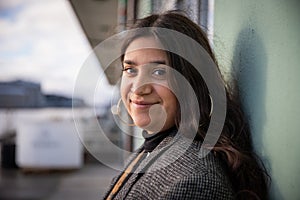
(140, 104)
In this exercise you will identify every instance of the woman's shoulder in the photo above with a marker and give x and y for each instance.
(184, 171)
(200, 160)
(184, 158)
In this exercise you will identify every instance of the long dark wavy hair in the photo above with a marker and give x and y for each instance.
(234, 147)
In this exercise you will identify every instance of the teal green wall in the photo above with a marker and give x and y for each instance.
(260, 41)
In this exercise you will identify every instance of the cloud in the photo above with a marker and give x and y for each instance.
(10, 4)
(42, 41)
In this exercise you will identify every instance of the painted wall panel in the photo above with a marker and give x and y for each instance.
(260, 42)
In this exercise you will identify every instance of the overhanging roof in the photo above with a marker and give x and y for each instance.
(98, 19)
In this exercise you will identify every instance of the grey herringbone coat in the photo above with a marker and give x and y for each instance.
(174, 170)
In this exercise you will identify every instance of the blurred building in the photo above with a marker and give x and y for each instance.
(62, 101)
(20, 94)
(25, 94)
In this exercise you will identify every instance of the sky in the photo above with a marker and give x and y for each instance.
(42, 41)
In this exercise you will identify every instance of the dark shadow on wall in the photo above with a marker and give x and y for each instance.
(249, 68)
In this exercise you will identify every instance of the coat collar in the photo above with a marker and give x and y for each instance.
(167, 152)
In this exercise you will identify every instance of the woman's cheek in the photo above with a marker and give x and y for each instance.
(125, 88)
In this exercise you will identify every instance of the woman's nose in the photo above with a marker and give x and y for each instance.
(142, 89)
(141, 85)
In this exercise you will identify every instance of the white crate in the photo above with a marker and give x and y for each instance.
(48, 144)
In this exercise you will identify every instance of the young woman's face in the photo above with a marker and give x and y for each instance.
(144, 87)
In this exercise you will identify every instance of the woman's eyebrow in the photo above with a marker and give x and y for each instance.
(130, 62)
(162, 62)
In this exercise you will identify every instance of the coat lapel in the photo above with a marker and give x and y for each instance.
(127, 163)
(166, 153)
(156, 153)
(173, 141)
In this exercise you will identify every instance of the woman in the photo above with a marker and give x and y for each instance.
(168, 165)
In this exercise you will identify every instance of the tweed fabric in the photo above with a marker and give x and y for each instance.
(174, 170)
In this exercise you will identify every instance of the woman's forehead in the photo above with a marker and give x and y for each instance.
(144, 43)
(143, 56)
(145, 50)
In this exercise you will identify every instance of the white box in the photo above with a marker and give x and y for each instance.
(50, 144)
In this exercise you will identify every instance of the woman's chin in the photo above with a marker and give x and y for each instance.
(142, 123)
(148, 126)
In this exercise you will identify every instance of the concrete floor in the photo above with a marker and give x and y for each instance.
(87, 183)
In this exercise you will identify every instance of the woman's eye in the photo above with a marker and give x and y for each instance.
(130, 71)
(159, 72)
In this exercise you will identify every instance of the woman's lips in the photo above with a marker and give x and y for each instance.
(142, 104)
